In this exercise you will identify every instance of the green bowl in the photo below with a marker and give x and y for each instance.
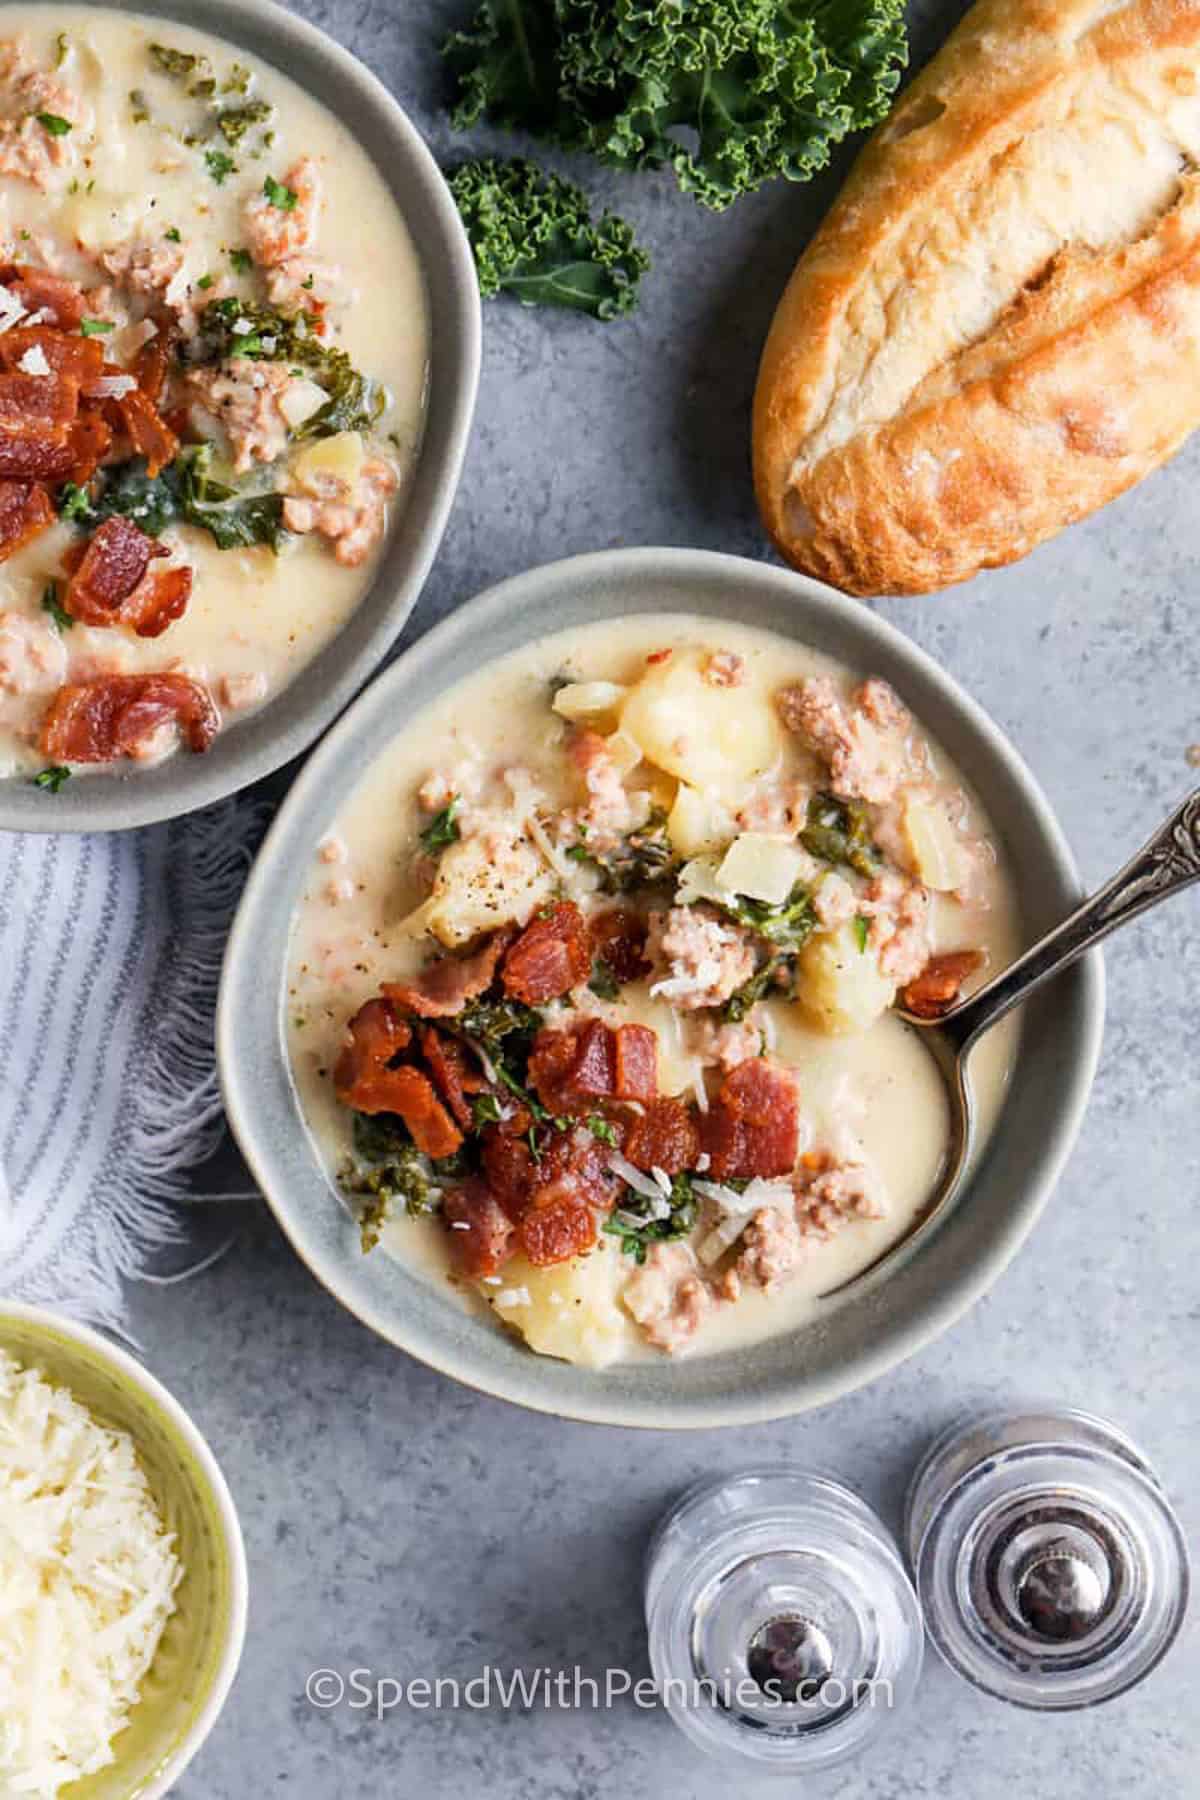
(198, 1656)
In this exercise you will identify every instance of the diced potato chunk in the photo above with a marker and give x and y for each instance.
(588, 699)
(301, 400)
(709, 737)
(697, 823)
(698, 881)
(568, 1310)
(482, 883)
(841, 988)
(939, 855)
(762, 867)
(337, 458)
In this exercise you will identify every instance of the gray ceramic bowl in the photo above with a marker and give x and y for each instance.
(250, 748)
(870, 1329)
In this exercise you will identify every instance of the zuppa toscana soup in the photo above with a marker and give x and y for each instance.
(213, 349)
(591, 992)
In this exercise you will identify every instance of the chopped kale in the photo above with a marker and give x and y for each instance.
(634, 1223)
(183, 493)
(242, 261)
(50, 604)
(177, 63)
(788, 926)
(51, 779)
(173, 234)
(603, 1129)
(504, 1030)
(139, 106)
(485, 1110)
(54, 123)
(839, 831)
(604, 983)
(861, 930)
(642, 857)
(233, 122)
(443, 828)
(751, 992)
(237, 81)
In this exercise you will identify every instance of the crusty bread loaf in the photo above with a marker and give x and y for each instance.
(997, 328)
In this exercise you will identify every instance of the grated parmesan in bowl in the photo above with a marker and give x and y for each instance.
(122, 1570)
(88, 1573)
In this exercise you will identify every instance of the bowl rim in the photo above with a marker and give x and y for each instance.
(249, 749)
(242, 988)
(139, 1376)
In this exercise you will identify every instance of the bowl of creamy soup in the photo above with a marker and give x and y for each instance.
(239, 346)
(559, 1021)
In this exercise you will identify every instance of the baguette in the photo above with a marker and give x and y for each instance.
(997, 328)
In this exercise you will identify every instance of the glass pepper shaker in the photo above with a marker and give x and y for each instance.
(783, 1629)
(1051, 1568)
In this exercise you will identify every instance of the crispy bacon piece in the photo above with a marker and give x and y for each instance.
(152, 363)
(555, 1233)
(753, 1126)
(935, 990)
(619, 940)
(662, 1136)
(551, 956)
(571, 1165)
(159, 598)
(373, 1037)
(45, 457)
(118, 715)
(89, 442)
(444, 987)
(38, 405)
(570, 1069)
(147, 431)
(451, 1073)
(108, 571)
(368, 1078)
(80, 359)
(40, 291)
(25, 510)
(483, 1247)
(635, 1070)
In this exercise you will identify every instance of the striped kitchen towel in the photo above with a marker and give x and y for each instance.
(110, 954)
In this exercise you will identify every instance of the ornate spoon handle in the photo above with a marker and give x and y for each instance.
(1165, 866)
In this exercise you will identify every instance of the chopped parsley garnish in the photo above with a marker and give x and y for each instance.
(603, 1129)
(839, 831)
(173, 234)
(51, 779)
(634, 1224)
(443, 828)
(59, 614)
(219, 165)
(861, 928)
(279, 194)
(73, 502)
(242, 261)
(205, 282)
(95, 327)
(54, 123)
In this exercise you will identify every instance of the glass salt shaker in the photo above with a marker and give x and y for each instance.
(1052, 1570)
(783, 1629)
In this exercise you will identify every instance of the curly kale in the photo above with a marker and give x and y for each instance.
(387, 1172)
(534, 237)
(788, 926)
(728, 93)
(236, 327)
(184, 493)
(640, 859)
(638, 1222)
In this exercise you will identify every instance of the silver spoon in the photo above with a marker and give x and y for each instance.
(1165, 866)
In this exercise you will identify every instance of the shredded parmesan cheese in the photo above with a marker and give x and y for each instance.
(33, 362)
(87, 1578)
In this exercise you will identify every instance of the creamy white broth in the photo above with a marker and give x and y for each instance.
(251, 613)
(350, 934)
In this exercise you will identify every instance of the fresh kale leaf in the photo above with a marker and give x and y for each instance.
(760, 984)
(533, 236)
(839, 831)
(727, 93)
(388, 1171)
(641, 858)
(183, 492)
(236, 327)
(635, 1221)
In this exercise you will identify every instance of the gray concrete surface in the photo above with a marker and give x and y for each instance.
(400, 1524)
